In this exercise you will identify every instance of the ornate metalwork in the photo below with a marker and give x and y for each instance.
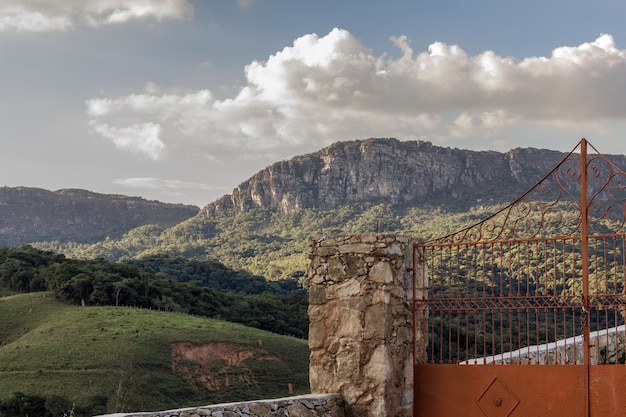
(549, 266)
(555, 204)
(507, 303)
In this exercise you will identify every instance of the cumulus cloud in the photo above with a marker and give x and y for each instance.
(139, 138)
(60, 15)
(328, 88)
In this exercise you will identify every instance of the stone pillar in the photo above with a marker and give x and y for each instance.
(361, 332)
(421, 309)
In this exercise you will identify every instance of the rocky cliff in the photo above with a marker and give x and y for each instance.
(33, 214)
(393, 171)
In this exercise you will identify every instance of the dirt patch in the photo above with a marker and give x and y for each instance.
(217, 365)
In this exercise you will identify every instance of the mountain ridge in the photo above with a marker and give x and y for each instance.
(29, 214)
(389, 170)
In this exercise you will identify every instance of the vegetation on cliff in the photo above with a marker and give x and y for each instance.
(267, 242)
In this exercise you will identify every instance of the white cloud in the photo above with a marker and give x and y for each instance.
(21, 19)
(183, 111)
(323, 89)
(138, 138)
(60, 15)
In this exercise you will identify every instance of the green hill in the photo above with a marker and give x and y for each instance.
(111, 359)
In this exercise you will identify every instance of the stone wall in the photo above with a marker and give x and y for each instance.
(361, 333)
(327, 405)
(607, 346)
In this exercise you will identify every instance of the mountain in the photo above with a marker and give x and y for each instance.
(412, 173)
(71, 215)
(374, 185)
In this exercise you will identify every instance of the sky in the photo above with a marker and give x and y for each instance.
(182, 100)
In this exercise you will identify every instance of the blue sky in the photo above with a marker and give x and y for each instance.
(181, 100)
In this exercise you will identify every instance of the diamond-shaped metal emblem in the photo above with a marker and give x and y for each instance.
(497, 400)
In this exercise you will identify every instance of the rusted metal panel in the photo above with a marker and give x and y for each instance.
(607, 391)
(500, 391)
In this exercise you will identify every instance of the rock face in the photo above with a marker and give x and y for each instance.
(389, 170)
(32, 215)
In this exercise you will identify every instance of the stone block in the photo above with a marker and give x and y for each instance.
(299, 410)
(379, 296)
(325, 252)
(369, 238)
(317, 294)
(347, 361)
(381, 272)
(317, 278)
(347, 289)
(354, 265)
(259, 409)
(375, 322)
(378, 366)
(362, 248)
(346, 323)
(324, 241)
(317, 334)
(336, 270)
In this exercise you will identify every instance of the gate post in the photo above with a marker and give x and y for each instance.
(360, 332)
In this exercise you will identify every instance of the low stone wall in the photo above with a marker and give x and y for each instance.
(326, 405)
(606, 347)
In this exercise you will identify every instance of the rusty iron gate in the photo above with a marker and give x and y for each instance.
(524, 311)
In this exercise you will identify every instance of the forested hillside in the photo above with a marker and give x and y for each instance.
(199, 288)
(269, 243)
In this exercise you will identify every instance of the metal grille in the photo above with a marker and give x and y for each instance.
(540, 281)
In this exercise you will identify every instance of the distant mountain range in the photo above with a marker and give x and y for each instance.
(36, 215)
(264, 223)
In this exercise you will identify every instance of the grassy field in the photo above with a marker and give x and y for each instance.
(122, 358)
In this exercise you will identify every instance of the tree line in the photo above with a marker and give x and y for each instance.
(202, 288)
